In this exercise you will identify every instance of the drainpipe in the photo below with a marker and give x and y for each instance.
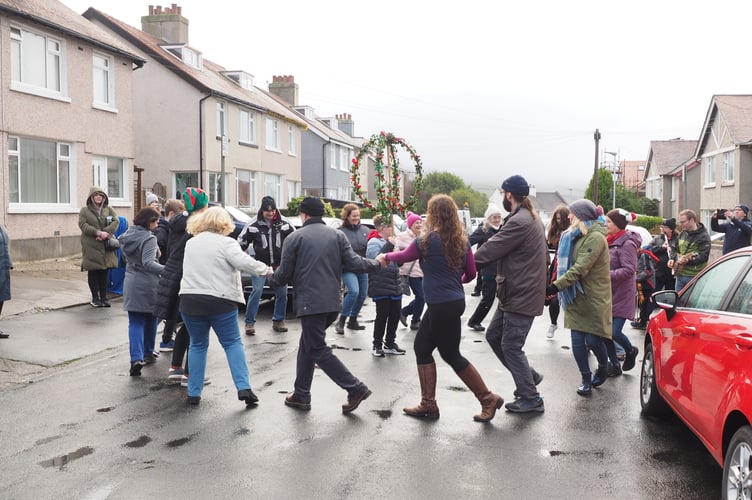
(323, 167)
(201, 140)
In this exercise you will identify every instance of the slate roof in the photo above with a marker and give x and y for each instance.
(326, 132)
(56, 16)
(547, 201)
(210, 80)
(665, 156)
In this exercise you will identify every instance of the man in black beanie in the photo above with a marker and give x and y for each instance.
(316, 255)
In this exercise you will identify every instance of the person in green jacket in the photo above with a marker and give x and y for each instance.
(98, 222)
(583, 285)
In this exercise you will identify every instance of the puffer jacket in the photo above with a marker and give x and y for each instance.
(142, 272)
(168, 302)
(91, 220)
(520, 253)
(411, 269)
(623, 269)
(313, 259)
(382, 282)
(357, 236)
(266, 238)
(591, 310)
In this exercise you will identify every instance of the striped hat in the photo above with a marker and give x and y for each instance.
(195, 199)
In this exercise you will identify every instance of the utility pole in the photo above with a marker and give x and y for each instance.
(597, 137)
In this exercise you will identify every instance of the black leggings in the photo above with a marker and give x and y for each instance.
(553, 310)
(440, 329)
(387, 317)
(98, 284)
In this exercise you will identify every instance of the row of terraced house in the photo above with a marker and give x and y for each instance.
(86, 99)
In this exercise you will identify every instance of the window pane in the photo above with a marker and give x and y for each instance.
(13, 178)
(184, 180)
(33, 60)
(38, 172)
(64, 181)
(115, 178)
(709, 291)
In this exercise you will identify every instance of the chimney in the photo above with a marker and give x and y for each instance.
(166, 23)
(285, 88)
(346, 124)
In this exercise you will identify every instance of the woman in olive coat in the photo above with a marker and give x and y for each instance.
(98, 222)
(6, 264)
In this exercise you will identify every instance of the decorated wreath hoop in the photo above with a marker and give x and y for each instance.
(383, 147)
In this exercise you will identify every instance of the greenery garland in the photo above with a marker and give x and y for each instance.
(387, 190)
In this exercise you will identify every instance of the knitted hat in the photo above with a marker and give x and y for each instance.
(669, 223)
(516, 185)
(583, 209)
(267, 203)
(412, 219)
(195, 199)
(621, 217)
(491, 211)
(151, 198)
(743, 207)
(312, 206)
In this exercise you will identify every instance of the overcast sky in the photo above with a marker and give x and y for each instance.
(488, 89)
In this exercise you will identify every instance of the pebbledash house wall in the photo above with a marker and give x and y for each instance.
(39, 232)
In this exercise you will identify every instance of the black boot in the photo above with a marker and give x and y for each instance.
(354, 325)
(339, 326)
(585, 389)
(601, 374)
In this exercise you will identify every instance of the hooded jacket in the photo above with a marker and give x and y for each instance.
(140, 249)
(693, 242)
(382, 282)
(623, 267)
(92, 219)
(266, 237)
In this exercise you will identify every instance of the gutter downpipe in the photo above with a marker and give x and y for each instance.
(201, 140)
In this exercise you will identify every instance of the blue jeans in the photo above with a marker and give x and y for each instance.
(681, 282)
(617, 336)
(357, 291)
(225, 325)
(142, 332)
(280, 300)
(415, 307)
(580, 343)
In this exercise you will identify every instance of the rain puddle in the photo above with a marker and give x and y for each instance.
(106, 409)
(139, 443)
(63, 460)
(383, 414)
(176, 443)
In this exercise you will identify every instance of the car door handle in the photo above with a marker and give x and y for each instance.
(744, 340)
(689, 331)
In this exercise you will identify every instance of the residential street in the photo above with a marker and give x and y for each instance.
(84, 429)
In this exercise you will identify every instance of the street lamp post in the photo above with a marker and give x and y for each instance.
(614, 168)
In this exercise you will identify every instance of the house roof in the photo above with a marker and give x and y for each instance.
(326, 132)
(55, 16)
(665, 156)
(736, 113)
(548, 202)
(209, 80)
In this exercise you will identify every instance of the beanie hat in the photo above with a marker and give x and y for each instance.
(312, 206)
(621, 217)
(412, 219)
(516, 185)
(151, 198)
(491, 211)
(743, 207)
(195, 199)
(583, 209)
(669, 223)
(267, 203)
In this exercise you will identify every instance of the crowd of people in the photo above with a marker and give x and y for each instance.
(183, 270)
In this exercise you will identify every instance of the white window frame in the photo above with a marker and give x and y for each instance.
(104, 67)
(273, 186)
(332, 155)
(216, 178)
(344, 162)
(728, 168)
(674, 187)
(293, 190)
(252, 181)
(247, 127)
(709, 170)
(110, 173)
(221, 119)
(291, 150)
(272, 135)
(64, 173)
(55, 84)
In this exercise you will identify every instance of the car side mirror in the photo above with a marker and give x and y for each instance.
(666, 300)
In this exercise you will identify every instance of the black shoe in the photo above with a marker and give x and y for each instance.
(614, 370)
(403, 319)
(105, 303)
(96, 303)
(638, 325)
(4, 335)
(536, 380)
(193, 400)
(629, 359)
(354, 325)
(584, 390)
(150, 359)
(475, 293)
(415, 325)
(136, 367)
(520, 405)
(248, 396)
(477, 327)
(601, 374)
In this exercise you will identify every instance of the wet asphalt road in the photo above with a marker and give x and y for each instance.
(89, 431)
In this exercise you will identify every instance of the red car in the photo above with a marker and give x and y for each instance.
(698, 362)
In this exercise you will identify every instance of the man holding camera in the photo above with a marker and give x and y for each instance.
(738, 229)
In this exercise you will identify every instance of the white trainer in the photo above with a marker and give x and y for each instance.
(550, 332)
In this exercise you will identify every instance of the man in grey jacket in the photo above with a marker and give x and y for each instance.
(519, 244)
(313, 258)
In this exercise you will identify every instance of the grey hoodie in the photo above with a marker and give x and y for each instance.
(139, 246)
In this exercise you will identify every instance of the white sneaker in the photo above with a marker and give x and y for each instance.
(550, 332)
(184, 381)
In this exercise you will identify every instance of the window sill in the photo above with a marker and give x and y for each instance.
(290, 153)
(727, 183)
(104, 107)
(248, 144)
(38, 91)
(42, 208)
(273, 150)
(709, 186)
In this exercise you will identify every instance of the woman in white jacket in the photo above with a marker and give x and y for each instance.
(210, 292)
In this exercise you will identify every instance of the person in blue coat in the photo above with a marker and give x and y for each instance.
(6, 264)
(738, 229)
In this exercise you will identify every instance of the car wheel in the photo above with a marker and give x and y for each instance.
(651, 401)
(737, 481)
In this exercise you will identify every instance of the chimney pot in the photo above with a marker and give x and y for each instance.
(151, 10)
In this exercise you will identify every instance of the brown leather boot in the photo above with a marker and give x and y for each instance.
(427, 407)
(489, 402)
